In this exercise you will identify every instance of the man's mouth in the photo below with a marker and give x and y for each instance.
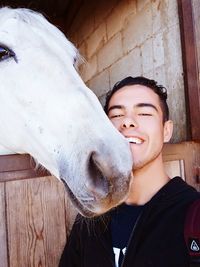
(135, 140)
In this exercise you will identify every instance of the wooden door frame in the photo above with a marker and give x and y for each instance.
(190, 68)
(19, 167)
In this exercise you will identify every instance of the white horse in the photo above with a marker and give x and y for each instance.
(47, 111)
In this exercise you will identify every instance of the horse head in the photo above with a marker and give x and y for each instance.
(46, 110)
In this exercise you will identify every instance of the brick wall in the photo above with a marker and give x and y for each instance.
(132, 37)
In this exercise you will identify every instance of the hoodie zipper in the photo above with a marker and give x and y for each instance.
(131, 236)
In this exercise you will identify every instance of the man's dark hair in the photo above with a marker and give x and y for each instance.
(160, 90)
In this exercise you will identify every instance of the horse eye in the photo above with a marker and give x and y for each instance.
(6, 53)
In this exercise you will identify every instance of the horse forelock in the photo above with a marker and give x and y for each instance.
(40, 23)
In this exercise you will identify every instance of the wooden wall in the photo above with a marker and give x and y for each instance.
(36, 215)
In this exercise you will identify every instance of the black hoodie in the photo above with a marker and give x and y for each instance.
(157, 239)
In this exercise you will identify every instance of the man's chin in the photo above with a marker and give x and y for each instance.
(138, 165)
(146, 163)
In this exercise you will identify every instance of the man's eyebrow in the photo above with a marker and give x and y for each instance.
(116, 107)
(140, 105)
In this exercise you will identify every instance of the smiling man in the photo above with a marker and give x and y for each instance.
(147, 229)
(140, 113)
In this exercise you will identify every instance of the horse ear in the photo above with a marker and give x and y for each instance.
(168, 130)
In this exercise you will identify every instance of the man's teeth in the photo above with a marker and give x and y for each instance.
(134, 140)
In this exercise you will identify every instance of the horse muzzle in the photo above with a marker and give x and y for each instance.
(103, 188)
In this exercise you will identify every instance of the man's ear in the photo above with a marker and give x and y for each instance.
(168, 130)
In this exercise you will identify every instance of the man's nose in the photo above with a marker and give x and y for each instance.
(128, 123)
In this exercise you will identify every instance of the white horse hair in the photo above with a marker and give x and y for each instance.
(47, 111)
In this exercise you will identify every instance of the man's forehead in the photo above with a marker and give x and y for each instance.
(134, 93)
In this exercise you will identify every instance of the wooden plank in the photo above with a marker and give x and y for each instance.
(20, 175)
(3, 239)
(196, 15)
(16, 167)
(191, 67)
(175, 168)
(189, 154)
(38, 220)
(16, 162)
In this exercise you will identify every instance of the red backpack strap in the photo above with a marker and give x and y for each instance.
(192, 232)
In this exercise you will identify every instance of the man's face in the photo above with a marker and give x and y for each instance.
(135, 111)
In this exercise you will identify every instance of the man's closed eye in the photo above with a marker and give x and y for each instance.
(116, 116)
(145, 114)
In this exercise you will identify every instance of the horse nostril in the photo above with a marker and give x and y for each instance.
(98, 184)
(93, 166)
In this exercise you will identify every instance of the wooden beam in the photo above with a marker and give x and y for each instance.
(17, 167)
(190, 67)
(3, 229)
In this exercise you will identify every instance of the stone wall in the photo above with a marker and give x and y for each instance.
(132, 37)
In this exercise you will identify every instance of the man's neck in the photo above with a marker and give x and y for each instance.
(146, 182)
